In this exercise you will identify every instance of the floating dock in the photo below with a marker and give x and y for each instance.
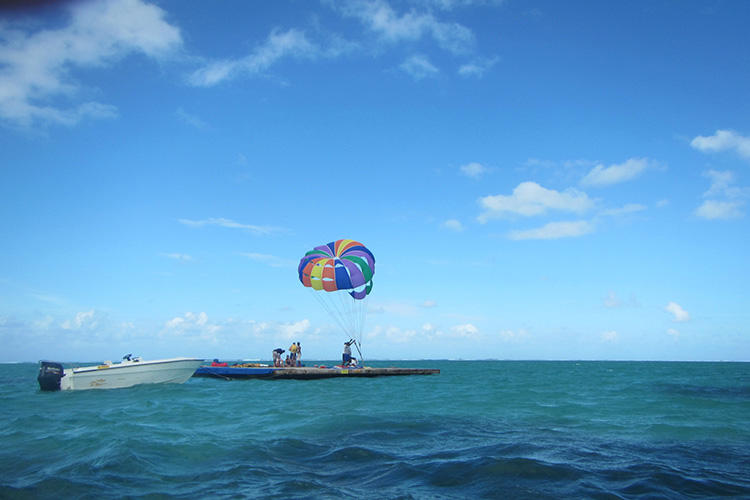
(305, 373)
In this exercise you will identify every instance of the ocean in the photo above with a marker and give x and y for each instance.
(480, 429)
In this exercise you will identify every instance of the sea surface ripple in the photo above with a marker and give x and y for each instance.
(480, 429)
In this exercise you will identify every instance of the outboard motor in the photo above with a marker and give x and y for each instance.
(50, 374)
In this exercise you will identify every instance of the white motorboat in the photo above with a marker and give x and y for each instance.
(131, 371)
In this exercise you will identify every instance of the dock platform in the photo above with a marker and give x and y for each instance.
(305, 373)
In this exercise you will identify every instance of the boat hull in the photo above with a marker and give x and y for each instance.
(128, 374)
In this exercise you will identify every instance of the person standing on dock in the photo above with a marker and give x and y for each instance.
(346, 357)
(293, 353)
(299, 354)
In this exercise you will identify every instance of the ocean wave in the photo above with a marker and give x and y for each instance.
(525, 430)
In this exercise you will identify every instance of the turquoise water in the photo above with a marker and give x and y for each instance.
(490, 429)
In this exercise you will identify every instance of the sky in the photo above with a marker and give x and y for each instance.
(536, 179)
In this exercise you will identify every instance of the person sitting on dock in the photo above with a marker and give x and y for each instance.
(277, 356)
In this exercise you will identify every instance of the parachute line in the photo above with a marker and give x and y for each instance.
(348, 314)
(339, 275)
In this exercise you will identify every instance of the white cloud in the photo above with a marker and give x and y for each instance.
(37, 66)
(44, 323)
(221, 222)
(529, 199)
(477, 68)
(713, 209)
(292, 43)
(189, 318)
(612, 300)
(727, 206)
(720, 182)
(628, 209)
(513, 336)
(381, 18)
(428, 304)
(192, 120)
(178, 256)
(428, 331)
(451, 4)
(610, 336)
(614, 174)
(554, 230)
(475, 170)
(673, 333)
(723, 140)
(294, 330)
(536, 162)
(454, 225)
(419, 67)
(680, 314)
(191, 325)
(82, 320)
(395, 335)
(43, 296)
(174, 322)
(467, 331)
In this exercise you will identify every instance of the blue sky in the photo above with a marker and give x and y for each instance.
(536, 179)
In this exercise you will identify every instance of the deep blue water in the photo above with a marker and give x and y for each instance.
(489, 429)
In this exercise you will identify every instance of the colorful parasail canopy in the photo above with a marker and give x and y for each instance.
(342, 265)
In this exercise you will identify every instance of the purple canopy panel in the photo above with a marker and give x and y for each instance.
(355, 273)
(325, 250)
